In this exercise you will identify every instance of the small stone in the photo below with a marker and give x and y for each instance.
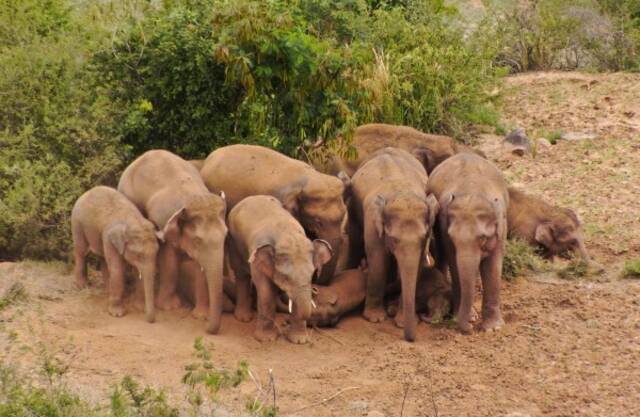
(517, 142)
(542, 142)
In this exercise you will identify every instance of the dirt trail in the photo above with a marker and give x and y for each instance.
(569, 347)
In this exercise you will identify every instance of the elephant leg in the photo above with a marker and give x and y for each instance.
(243, 311)
(116, 266)
(168, 264)
(80, 249)
(455, 275)
(201, 296)
(266, 330)
(376, 281)
(104, 270)
(491, 273)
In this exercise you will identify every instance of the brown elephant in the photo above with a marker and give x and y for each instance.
(556, 230)
(267, 246)
(396, 216)
(170, 192)
(472, 229)
(429, 149)
(346, 292)
(315, 199)
(105, 222)
(192, 285)
(433, 296)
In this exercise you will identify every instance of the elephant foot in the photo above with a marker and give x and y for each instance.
(465, 327)
(117, 310)
(432, 318)
(244, 315)
(266, 334)
(492, 323)
(171, 302)
(200, 312)
(399, 319)
(474, 316)
(374, 315)
(298, 336)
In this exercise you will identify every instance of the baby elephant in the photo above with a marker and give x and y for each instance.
(268, 246)
(346, 292)
(557, 230)
(106, 223)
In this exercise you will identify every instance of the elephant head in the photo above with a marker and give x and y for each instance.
(562, 234)
(405, 223)
(476, 226)
(290, 264)
(199, 230)
(138, 245)
(319, 207)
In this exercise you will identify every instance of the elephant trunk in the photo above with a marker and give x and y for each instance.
(148, 275)
(468, 264)
(329, 269)
(582, 251)
(301, 299)
(408, 270)
(213, 264)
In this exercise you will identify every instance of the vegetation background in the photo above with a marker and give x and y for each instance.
(87, 86)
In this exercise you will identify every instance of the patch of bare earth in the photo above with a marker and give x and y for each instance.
(569, 348)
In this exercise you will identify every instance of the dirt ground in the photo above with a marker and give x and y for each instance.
(569, 348)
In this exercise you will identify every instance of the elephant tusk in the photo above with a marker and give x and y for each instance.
(140, 275)
(430, 261)
(202, 269)
(290, 306)
(314, 304)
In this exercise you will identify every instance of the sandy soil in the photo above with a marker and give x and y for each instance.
(569, 347)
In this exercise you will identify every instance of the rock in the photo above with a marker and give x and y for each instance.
(575, 136)
(544, 143)
(517, 142)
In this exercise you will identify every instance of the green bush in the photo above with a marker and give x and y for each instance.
(195, 75)
(55, 141)
(520, 259)
(631, 269)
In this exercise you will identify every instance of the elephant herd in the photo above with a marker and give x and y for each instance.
(249, 227)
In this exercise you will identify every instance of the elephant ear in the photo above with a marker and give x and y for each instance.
(322, 254)
(544, 234)
(426, 158)
(377, 212)
(117, 236)
(290, 197)
(263, 258)
(501, 215)
(171, 230)
(324, 295)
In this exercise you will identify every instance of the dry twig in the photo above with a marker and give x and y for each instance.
(342, 391)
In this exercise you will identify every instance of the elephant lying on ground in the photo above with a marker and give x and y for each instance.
(556, 230)
(433, 296)
(105, 222)
(429, 149)
(396, 216)
(314, 199)
(192, 285)
(348, 290)
(472, 230)
(267, 246)
(170, 192)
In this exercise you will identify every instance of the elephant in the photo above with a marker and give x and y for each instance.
(396, 215)
(170, 192)
(556, 230)
(346, 292)
(192, 285)
(267, 246)
(105, 222)
(429, 149)
(197, 163)
(314, 199)
(472, 230)
(433, 296)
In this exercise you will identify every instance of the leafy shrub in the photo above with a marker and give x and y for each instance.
(519, 259)
(195, 75)
(631, 269)
(54, 127)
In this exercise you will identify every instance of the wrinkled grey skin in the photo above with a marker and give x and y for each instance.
(267, 246)
(472, 230)
(314, 199)
(105, 222)
(396, 216)
(171, 193)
